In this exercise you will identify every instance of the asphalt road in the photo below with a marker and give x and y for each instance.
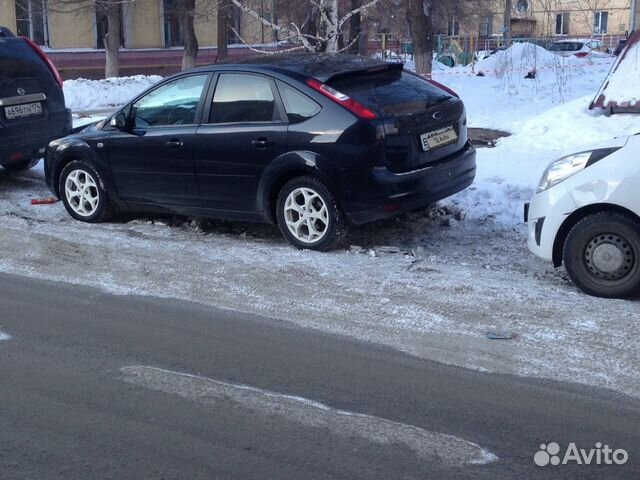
(66, 411)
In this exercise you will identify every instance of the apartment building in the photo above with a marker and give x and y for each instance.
(555, 18)
(79, 24)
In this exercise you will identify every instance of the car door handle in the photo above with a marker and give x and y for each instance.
(262, 143)
(175, 143)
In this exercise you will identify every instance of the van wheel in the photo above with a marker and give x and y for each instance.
(602, 255)
(82, 193)
(309, 216)
(20, 166)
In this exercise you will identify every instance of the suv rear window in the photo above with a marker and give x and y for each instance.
(566, 47)
(391, 93)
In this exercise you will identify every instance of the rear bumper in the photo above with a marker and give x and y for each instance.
(33, 140)
(382, 193)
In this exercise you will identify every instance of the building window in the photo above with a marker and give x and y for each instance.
(31, 20)
(601, 22)
(173, 35)
(522, 7)
(486, 26)
(453, 28)
(562, 23)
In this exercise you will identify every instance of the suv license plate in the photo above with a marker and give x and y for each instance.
(20, 111)
(438, 138)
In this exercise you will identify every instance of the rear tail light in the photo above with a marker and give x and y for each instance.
(443, 87)
(46, 60)
(582, 54)
(347, 102)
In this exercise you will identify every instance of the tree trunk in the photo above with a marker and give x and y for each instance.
(223, 30)
(112, 39)
(363, 41)
(420, 18)
(187, 19)
(331, 28)
(355, 28)
(507, 22)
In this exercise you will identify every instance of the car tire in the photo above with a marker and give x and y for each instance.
(21, 166)
(602, 255)
(83, 194)
(309, 216)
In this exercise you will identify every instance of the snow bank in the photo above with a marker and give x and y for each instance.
(84, 95)
(524, 57)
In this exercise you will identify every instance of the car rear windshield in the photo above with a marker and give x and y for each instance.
(566, 47)
(392, 93)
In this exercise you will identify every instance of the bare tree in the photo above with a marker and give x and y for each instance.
(109, 9)
(187, 21)
(508, 9)
(223, 29)
(420, 17)
(328, 25)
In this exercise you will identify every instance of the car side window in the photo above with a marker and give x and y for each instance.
(242, 97)
(298, 106)
(174, 103)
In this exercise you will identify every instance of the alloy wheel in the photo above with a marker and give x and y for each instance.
(306, 215)
(82, 193)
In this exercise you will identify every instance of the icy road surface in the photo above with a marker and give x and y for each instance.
(437, 303)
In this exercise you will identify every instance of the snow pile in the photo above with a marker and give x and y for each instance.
(83, 95)
(525, 57)
(545, 115)
(624, 84)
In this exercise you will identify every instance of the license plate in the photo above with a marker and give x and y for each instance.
(25, 110)
(438, 138)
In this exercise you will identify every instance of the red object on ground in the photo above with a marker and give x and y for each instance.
(43, 201)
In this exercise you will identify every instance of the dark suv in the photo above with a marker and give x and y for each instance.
(314, 142)
(32, 109)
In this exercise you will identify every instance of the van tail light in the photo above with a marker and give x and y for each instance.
(46, 60)
(442, 87)
(347, 102)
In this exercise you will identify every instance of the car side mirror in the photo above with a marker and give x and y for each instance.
(119, 121)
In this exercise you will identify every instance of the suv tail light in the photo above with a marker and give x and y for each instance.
(442, 87)
(46, 60)
(347, 102)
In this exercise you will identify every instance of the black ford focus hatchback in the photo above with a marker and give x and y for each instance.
(32, 107)
(312, 142)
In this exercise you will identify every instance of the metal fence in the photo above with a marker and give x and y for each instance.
(464, 49)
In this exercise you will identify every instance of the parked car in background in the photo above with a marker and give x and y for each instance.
(586, 214)
(312, 142)
(32, 107)
(579, 48)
